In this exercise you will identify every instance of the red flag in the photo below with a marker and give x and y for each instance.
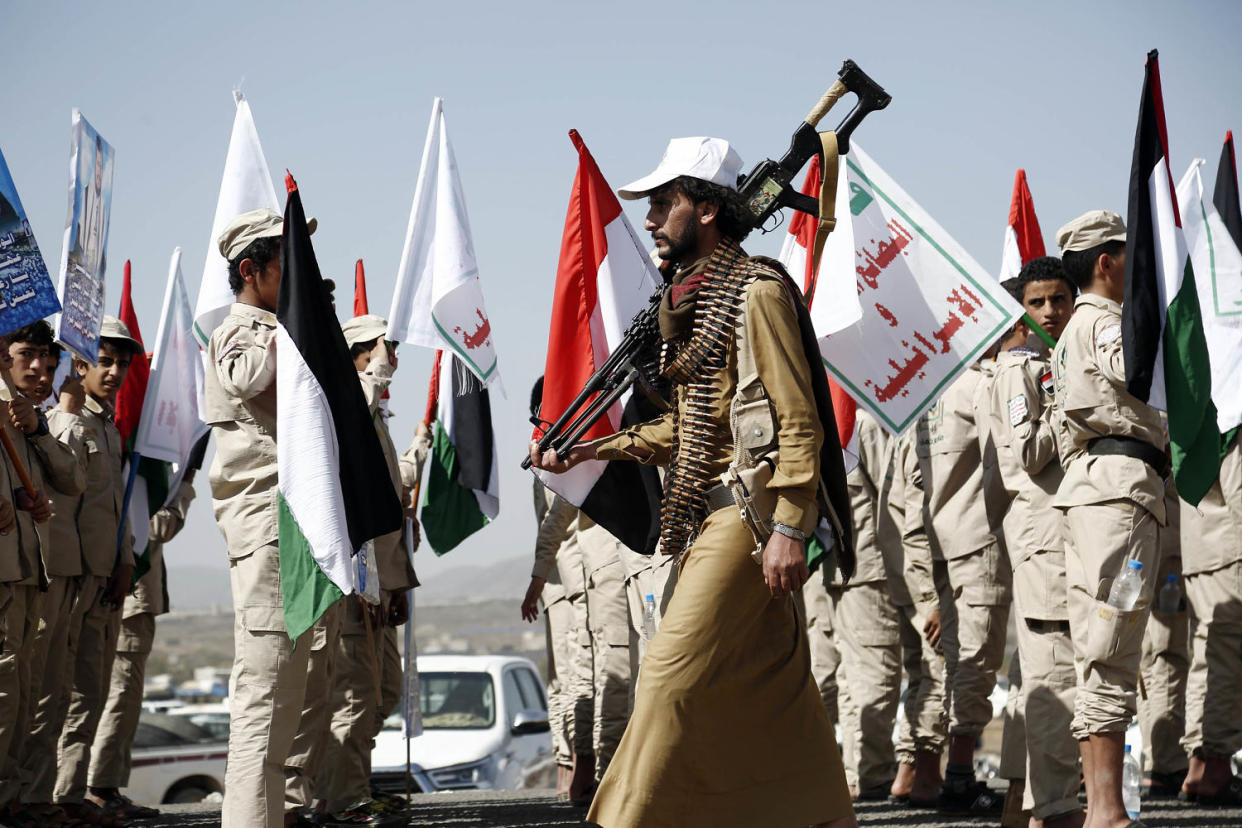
(360, 290)
(802, 227)
(1023, 238)
(603, 279)
(134, 390)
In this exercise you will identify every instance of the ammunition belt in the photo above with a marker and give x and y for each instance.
(694, 363)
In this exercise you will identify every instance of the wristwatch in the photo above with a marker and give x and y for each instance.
(788, 531)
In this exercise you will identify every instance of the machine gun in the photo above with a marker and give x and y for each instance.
(765, 190)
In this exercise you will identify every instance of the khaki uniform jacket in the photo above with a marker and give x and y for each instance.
(150, 594)
(13, 564)
(31, 539)
(907, 563)
(64, 555)
(963, 514)
(396, 573)
(240, 406)
(1091, 400)
(562, 570)
(775, 339)
(100, 507)
(865, 482)
(1026, 452)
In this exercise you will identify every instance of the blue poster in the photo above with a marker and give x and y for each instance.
(83, 259)
(26, 291)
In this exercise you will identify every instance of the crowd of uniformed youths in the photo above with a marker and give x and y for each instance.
(76, 630)
(1015, 502)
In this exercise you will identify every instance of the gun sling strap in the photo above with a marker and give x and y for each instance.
(828, 171)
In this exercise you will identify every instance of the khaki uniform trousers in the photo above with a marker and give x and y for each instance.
(558, 619)
(974, 616)
(355, 704)
(869, 639)
(825, 656)
(1164, 665)
(609, 623)
(266, 691)
(19, 617)
(1108, 642)
(49, 668)
(111, 753)
(307, 751)
(1013, 733)
(91, 658)
(654, 575)
(1213, 704)
(923, 722)
(1049, 685)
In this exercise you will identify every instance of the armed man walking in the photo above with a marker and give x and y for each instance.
(731, 735)
(1113, 499)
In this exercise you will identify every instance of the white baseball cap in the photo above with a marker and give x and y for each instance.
(708, 159)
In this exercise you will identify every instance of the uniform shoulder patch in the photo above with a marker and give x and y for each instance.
(1019, 411)
(1024, 351)
(1045, 381)
(1108, 335)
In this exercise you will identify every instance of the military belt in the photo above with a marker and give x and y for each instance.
(717, 498)
(1130, 447)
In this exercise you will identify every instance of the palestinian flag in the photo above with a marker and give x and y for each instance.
(1023, 238)
(150, 489)
(603, 279)
(335, 493)
(462, 489)
(1163, 341)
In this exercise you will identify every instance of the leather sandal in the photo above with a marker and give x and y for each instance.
(975, 799)
(122, 806)
(1228, 795)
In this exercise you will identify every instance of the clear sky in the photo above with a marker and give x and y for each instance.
(341, 93)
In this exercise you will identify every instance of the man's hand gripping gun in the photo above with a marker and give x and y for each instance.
(765, 190)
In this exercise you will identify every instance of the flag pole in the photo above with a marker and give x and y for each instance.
(1039, 330)
(429, 414)
(134, 457)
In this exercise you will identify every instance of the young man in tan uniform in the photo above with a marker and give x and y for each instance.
(112, 752)
(963, 512)
(22, 577)
(1212, 566)
(1030, 470)
(357, 701)
(911, 583)
(108, 569)
(1113, 499)
(63, 459)
(867, 624)
(268, 683)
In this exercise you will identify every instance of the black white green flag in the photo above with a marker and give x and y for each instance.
(335, 493)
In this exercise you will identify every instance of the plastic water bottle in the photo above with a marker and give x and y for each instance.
(1125, 592)
(1131, 780)
(1170, 598)
(649, 619)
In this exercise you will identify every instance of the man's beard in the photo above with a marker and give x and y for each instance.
(681, 246)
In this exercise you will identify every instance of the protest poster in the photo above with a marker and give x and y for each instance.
(83, 259)
(928, 309)
(26, 291)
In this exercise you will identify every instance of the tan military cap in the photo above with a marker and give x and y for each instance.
(114, 328)
(252, 226)
(1091, 229)
(364, 328)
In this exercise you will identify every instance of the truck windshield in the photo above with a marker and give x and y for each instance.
(457, 701)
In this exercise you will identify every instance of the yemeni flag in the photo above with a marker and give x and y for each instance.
(462, 489)
(1163, 340)
(840, 307)
(603, 279)
(335, 493)
(150, 488)
(1023, 238)
(361, 308)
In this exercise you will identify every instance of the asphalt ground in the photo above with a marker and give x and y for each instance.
(539, 808)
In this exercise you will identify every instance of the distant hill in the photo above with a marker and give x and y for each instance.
(502, 580)
(200, 588)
